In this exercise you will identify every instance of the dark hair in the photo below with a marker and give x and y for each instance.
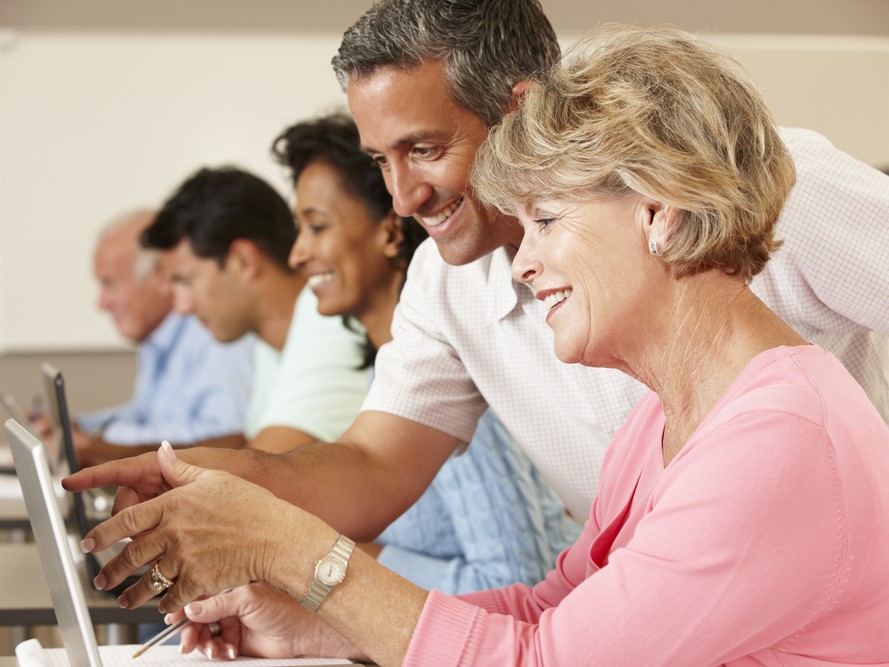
(214, 207)
(334, 140)
(486, 46)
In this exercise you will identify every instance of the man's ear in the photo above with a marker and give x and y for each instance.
(518, 94)
(245, 258)
(161, 278)
(390, 235)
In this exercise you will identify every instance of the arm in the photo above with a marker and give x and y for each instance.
(190, 390)
(93, 450)
(359, 484)
(280, 439)
(681, 586)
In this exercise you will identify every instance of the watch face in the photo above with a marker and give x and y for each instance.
(331, 571)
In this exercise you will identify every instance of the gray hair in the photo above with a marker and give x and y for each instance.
(487, 46)
(146, 259)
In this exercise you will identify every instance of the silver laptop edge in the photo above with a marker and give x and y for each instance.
(62, 576)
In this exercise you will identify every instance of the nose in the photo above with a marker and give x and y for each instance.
(182, 301)
(525, 265)
(409, 191)
(299, 251)
(105, 300)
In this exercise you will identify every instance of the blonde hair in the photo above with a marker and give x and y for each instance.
(659, 112)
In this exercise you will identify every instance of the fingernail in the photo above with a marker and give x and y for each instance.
(161, 608)
(208, 652)
(99, 582)
(230, 653)
(123, 601)
(167, 619)
(168, 449)
(194, 608)
(87, 545)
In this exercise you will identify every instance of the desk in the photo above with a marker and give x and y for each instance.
(13, 514)
(26, 599)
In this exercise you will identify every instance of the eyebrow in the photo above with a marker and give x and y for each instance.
(415, 138)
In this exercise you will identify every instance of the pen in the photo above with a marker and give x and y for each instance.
(160, 636)
(169, 632)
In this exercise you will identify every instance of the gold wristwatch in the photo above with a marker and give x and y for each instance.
(329, 572)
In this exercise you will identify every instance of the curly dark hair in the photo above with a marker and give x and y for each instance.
(334, 140)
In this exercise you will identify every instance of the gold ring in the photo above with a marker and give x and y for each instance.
(158, 581)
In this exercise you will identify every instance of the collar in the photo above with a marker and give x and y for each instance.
(167, 333)
(505, 294)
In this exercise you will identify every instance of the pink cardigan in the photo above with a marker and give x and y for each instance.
(765, 541)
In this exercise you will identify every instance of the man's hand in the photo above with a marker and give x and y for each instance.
(138, 478)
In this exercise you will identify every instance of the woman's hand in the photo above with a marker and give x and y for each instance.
(210, 532)
(257, 620)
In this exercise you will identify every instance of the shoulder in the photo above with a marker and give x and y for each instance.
(833, 191)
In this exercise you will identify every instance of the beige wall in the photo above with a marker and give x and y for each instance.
(106, 105)
(827, 17)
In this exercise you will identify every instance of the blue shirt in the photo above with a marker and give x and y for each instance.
(488, 520)
(188, 388)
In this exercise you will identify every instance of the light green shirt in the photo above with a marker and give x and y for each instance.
(312, 384)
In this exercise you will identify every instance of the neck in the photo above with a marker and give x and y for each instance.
(276, 308)
(376, 316)
(708, 330)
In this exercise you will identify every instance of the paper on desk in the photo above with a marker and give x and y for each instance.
(31, 654)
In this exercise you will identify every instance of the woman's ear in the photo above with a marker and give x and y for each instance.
(390, 235)
(658, 224)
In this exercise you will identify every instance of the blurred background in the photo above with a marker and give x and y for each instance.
(106, 105)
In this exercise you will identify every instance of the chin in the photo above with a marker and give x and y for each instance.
(328, 310)
(456, 254)
(567, 356)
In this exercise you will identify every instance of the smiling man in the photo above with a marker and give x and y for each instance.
(425, 80)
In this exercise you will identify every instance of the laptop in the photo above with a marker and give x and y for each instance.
(57, 407)
(15, 412)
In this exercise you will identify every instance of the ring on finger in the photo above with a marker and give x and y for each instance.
(215, 629)
(158, 581)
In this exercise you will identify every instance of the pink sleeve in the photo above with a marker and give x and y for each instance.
(711, 573)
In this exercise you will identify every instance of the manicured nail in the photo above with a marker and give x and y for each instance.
(87, 545)
(194, 608)
(161, 608)
(230, 653)
(99, 582)
(168, 449)
(123, 601)
(167, 619)
(208, 652)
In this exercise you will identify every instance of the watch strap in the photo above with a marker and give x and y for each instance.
(318, 590)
